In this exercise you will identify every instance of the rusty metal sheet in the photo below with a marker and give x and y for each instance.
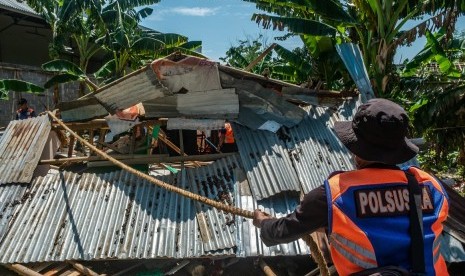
(21, 147)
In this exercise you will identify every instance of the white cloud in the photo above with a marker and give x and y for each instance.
(195, 11)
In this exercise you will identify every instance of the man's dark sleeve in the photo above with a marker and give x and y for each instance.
(311, 214)
(33, 114)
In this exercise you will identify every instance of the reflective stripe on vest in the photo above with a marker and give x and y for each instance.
(336, 241)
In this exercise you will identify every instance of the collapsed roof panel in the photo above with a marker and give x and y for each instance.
(187, 74)
(212, 104)
(21, 147)
(81, 109)
(67, 216)
(141, 85)
(113, 215)
(264, 102)
(315, 149)
(266, 162)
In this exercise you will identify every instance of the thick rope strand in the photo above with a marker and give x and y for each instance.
(315, 251)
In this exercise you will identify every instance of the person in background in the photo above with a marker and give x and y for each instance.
(24, 111)
(366, 211)
(227, 142)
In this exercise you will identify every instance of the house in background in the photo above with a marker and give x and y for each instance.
(24, 40)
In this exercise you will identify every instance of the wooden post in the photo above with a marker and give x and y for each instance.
(71, 146)
(181, 143)
(266, 268)
(91, 139)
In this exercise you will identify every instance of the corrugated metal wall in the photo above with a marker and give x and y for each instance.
(21, 147)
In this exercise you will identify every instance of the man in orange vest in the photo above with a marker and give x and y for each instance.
(378, 215)
(226, 137)
(24, 111)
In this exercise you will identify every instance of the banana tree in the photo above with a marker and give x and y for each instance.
(8, 85)
(434, 90)
(131, 45)
(376, 25)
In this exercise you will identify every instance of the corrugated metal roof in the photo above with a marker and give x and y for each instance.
(315, 149)
(10, 196)
(116, 215)
(352, 57)
(141, 85)
(249, 242)
(121, 204)
(18, 6)
(266, 162)
(21, 147)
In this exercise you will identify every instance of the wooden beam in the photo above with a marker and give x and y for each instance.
(59, 161)
(153, 159)
(83, 269)
(22, 270)
(260, 57)
(55, 270)
(97, 123)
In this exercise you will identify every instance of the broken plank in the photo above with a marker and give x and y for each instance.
(22, 270)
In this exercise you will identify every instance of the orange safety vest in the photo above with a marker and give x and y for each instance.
(229, 136)
(369, 219)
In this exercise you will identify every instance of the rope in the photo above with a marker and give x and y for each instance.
(315, 251)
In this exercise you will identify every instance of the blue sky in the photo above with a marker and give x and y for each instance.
(219, 24)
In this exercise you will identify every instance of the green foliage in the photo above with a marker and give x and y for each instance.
(246, 51)
(294, 25)
(433, 90)
(61, 65)
(17, 86)
(375, 25)
(110, 26)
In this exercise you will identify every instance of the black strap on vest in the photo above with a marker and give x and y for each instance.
(417, 247)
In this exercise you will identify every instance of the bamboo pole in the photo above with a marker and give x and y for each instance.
(315, 251)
